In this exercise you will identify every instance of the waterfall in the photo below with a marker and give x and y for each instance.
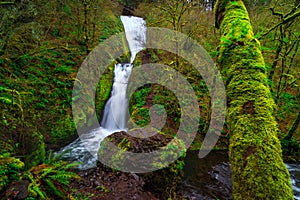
(135, 31)
(115, 114)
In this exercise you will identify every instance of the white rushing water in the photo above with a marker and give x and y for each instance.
(115, 114)
(294, 170)
(135, 31)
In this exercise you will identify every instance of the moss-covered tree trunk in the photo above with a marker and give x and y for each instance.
(258, 171)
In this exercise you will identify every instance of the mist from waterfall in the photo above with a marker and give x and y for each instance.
(115, 114)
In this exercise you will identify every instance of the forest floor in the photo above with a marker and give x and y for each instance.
(98, 183)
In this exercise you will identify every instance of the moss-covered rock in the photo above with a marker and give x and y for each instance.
(255, 151)
(35, 148)
(162, 181)
(63, 132)
(103, 91)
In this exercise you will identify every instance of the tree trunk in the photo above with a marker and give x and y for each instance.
(258, 171)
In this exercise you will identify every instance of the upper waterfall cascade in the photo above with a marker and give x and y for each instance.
(115, 114)
(135, 31)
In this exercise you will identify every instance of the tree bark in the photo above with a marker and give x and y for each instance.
(258, 171)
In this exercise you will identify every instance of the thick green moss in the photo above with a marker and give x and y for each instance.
(35, 147)
(255, 151)
(63, 132)
(104, 88)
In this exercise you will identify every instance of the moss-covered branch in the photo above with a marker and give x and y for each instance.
(254, 151)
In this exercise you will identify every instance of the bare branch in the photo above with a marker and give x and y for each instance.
(284, 21)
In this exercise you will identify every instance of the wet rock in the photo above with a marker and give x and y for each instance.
(208, 178)
(221, 180)
(17, 190)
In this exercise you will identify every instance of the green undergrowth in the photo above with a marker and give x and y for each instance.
(39, 62)
(37, 80)
(10, 168)
(49, 180)
(38, 89)
(41, 52)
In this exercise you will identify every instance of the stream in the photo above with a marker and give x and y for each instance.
(209, 178)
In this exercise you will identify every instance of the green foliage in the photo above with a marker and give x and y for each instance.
(50, 179)
(124, 144)
(40, 53)
(41, 98)
(13, 98)
(111, 25)
(40, 60)
(102, 188)
(103, 91)
(287, 105)
(290, 147)
(139, 111)
(10, 168)
(140, 96)
(63, 69)
(175, 149)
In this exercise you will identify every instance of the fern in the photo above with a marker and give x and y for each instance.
(4, 89)
(50, 179)
(34, 189)
(5, 100)
(70, 165)
(13, 99)
(52, 188)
